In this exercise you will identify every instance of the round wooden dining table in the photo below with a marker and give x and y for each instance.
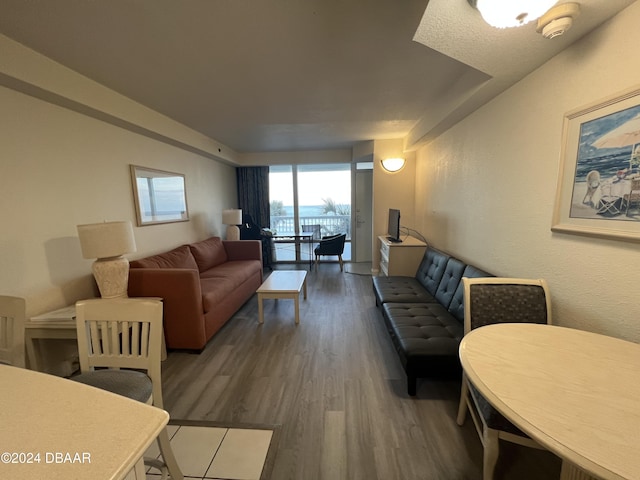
(575, 392)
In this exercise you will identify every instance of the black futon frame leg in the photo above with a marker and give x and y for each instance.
(411, 385)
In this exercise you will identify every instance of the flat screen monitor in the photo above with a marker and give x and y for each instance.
(393, 230)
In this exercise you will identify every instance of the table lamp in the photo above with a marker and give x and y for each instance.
(108, 242)
(232, 218)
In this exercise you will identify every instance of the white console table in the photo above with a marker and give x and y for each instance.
(59, 323)
(400, 258)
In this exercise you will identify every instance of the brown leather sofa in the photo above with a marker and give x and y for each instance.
(201, 284)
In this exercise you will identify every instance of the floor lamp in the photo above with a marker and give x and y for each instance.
(108, 242)
(232, 218)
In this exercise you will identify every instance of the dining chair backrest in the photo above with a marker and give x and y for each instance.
(491, 300)
(505, 300)
(121, 333)
(126, 334)
(12, 318)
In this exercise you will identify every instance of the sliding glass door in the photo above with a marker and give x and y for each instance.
(309, 197)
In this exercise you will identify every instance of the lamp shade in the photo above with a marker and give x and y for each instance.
(232, 217)
(105, 240)
(513, 13)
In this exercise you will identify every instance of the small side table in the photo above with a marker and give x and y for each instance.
(59, 323)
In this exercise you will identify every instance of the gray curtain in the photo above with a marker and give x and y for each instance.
(253, 193)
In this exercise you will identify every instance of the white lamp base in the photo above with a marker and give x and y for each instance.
(112, 276)
(233, 232)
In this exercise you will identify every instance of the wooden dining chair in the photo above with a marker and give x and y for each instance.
(12, 318)
(498, 300)
(119, 347)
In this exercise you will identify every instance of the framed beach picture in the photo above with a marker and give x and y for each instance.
(598, 190)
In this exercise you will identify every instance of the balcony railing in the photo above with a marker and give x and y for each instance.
(329, 224)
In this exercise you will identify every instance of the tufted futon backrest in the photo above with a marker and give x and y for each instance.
(432, 269)
(441, 275)
(456, 307)
(449, 282)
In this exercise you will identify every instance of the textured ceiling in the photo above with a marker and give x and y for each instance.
(282, 75)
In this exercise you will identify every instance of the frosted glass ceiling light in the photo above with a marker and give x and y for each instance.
(512, 13)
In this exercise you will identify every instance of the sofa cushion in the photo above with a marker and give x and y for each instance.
(237, 271)
(456, 307)
(400, 289)
(432, 269)
(208, 253)
(449, 282)
(423, 330)
(218, 282)
(177, 258)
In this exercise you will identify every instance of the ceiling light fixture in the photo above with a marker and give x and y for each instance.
(514, 13)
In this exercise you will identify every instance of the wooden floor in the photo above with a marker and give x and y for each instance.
(337, 389)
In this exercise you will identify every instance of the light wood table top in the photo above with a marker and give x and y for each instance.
(288, 281)
(575, 392)
(76, 431)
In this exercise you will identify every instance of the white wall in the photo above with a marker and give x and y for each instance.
(486, 188)
(60, 168)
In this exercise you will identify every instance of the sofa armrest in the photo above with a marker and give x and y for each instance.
(181, 295)
(243, 249)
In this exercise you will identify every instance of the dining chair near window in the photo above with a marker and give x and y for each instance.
(119, 347)
(331, 245)
(12, 318)
(498, 300)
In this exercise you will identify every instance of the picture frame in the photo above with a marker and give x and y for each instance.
(598, 191)
(159, 196)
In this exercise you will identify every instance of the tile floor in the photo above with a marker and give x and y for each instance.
(217, 452)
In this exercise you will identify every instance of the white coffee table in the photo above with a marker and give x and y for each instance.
(285, 284)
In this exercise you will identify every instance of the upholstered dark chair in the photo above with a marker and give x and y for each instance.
(331, 245)
(252, 231)
(489, 301)
(249, 230)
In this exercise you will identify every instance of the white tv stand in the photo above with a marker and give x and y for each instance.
(400, 258)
